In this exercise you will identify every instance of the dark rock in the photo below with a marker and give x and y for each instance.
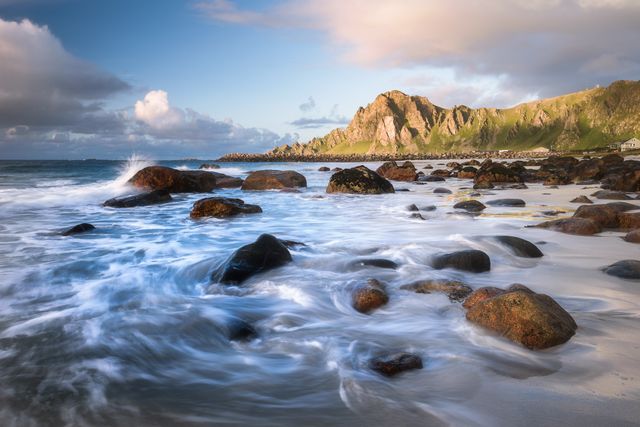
(456, 291)
(239, 330)
(470, 206)
(443, 173)
(374, 262)
(369, 296)
(633, 236)
(266, 253)
(520, 247)
(610, 195)
(359, 180)
(175, 181)
(467, 172)
(495, 172)
(626, 269)
(579, 226)
(428, 167)
(534, 320)
(77, 229)
(468, 260)
(428, 208)
(291, 243)
(412, 208)
(393, 364)
(515, 203)
(323, 169)
(336, 169)
(416, 216)
(222, 207)
(431, 178)
(144, 199)
(405, 172)
(581, 199)
(442, 190)
(483, 185)
(273, 180)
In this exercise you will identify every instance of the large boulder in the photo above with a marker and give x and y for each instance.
(520, 247)
(266, 253)
(144, 199)
(369, 296)
(536, 321)
(471, 260)
(359, 180)
(456, 291)
(274, 180)
(79, 228)
(392, 364)
(391, 170)
(222, 207)
(626, 269)
(578, 226)
(176, 181)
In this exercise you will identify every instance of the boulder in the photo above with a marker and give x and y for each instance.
(391, 170)
(605, 216)
(393, 364)
(536, 321)
(323, 169)
(456, 291)
(520, 247)
(222, 207)
(513, 203)
(359, 180)
(374, 262)
(413, 208)
(610, 195)
(416, 215)
(578, 226)
(467, 172)
(266, 253)
(79, 228)
(633, 236)
(443, 173)
(144, 199)
(176, 181)
(442, 190)
(581, 199)
(626, 269)
(495, 172)
(273, 180)
(470, 206)
(481, 294)
(629, 220)
(468, 260)
(431, 178)
(369, 296)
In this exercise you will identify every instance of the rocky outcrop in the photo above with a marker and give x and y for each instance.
(222, 207)
(369, 296)
(471, 260)
(265, 254)
(359, 180)
(177, 181)
(144, 199)
(274, 180)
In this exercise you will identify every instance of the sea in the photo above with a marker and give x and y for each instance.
(122, 326)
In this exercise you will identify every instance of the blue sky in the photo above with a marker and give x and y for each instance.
(200, 78)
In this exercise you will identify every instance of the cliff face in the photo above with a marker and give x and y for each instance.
(395, 123)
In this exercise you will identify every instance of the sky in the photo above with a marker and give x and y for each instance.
(200, 78)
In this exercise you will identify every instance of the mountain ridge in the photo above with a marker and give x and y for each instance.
(397, 123)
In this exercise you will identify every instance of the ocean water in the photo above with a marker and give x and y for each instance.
(121, 326)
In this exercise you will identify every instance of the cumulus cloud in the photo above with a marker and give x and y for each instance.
(542, 46)
(155, 111)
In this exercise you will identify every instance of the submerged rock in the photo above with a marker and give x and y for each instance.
(536, 321)
(273, 180)
(393, 364)
(369, 296)
(266, 253)
(626, 269)
(359, 180)
(520, 247)
(374, 262)
(581, 199)
(471, 260)
(470, 206)
(77, 229)
(456, 291)
(176, 181)
(514, 203)
(222, 207)
(578, 226)
(144, 199)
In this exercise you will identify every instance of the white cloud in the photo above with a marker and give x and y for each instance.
(155, 111)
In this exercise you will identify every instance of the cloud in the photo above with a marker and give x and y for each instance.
(333, 119)
(308, 106)
(154, 110)
(534, 46)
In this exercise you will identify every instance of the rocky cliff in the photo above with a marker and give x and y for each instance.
(396, 123)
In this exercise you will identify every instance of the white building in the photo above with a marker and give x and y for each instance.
(632, 144)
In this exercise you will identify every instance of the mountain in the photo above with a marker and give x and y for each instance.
(396, 123)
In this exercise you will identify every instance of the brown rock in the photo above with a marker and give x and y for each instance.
(359, 180)
(605, 216)
(581, 199)
(456, 291)
(629, 220)
(369, 296)
(393, 364)
(222, 207)
(175, 181)
(273, 180)
(391, 170)
(579, 226)
(610, 195)
(481, 294)
(633, 236)
(534, 320)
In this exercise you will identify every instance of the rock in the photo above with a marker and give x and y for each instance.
(77, 229)
(359, 180)
(470, 206)
(481, 294)
(393, 364)
(336, 169)
(374, 262)
(520, 247)
(581, 199)
(222, 207)
(495, 172)
(144, 199)
(514, 203)
(266, 253)
(428, 167)
(175, 181)
(456, 291)
(239, 330)
(412, 208)
(209, 166)
(324, 169)
(431, 178)
(443, 173)
(519, 287)
(442, 190)
(483, 185)
(416, 216)
(578, 226)
(467, 172)
(629, 220)
(391, 170)
(534, 320)
(626, 269)
(633, 236)
(273, 180)
(610, 195)
(428, 208)
(369, 296)
(468, 260)
(605, 216)
(291, 243)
